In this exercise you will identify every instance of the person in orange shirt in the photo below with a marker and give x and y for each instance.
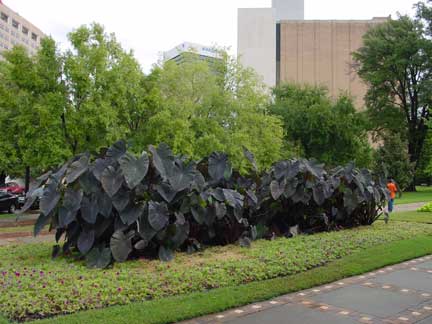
(391, 186)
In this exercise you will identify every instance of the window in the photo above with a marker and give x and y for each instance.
(34, 36)
(25, 30)
(4, 17)
(15, 23)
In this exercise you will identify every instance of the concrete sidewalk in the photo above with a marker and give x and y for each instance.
(408, 207)
(397, 294)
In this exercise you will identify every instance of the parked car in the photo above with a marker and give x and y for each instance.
(8, 202)
(13, 188)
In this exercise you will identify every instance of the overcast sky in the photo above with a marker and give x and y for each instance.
(150, 27)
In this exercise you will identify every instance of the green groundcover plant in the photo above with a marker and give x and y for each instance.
(426, 208)
(34, 286)
(118, 206)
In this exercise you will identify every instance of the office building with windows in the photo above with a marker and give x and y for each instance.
(192, 50)
(283, 47)
(15, 30)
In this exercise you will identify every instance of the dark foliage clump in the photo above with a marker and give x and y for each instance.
(119, 206)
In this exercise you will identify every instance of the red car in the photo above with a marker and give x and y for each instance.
(13, 188)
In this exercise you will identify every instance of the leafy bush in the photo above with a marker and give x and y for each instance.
(120, 206)
(426, 208)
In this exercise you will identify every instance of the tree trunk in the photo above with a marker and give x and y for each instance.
(27, 178)
(2, 178)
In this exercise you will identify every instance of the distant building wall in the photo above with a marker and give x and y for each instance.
(320, 53)
(288, 9)
(257, 42)
(15, 30)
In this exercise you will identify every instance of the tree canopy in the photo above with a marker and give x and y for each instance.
(395, 62)
(328, 130)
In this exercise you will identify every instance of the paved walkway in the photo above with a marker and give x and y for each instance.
(397, 294)
(408, 207)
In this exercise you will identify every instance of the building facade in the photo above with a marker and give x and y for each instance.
(177, 54)
(283, 47)
(15, 30)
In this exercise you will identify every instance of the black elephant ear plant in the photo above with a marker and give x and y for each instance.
(121, 205)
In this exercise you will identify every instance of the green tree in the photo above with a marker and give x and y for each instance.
(31, 102)
(395, 62)
(109, 97)
(392, 160)
(329, 131)
(217, 106)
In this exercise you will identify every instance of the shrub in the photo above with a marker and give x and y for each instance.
(121, 206)
(426, 208)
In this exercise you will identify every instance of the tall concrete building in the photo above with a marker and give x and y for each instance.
(177, 54)
(283, 47)
(16, 30)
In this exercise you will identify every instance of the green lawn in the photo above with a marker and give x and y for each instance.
(15, 229)
(33, 285)
(423, 194)
(412, 216)
(173, 309)
(7, 216)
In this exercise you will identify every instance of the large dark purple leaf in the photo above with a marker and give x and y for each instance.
(104, 203)
(77, 168)
(116, 151)
(30, 200)
(199, 214)
(98, 258)
(277, 189)
(233, 198)
(166, 191)
(111, 180)
(134, 170)
(144, 229)
(157, 215)
(131, 213)
(181, 234)
(89, 183)
(98, 168)
(219, 167)
(251, 158)
(85, 241)
(163, 159)
(182, 176)
(121, 200)
(41, 222)
(38, 182)
(50, 198)
(89, 209)
(121, 246)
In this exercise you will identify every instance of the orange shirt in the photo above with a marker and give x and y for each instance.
(392, 188)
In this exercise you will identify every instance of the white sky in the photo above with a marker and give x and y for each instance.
(150, 27)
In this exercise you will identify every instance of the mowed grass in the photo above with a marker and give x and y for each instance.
(17, 229)
(423, 194)
(173, 309)
(34, 286)
(412, 216)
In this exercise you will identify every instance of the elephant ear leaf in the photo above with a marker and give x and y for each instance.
(77, 168)
(251, 158)
(41, 222)
(98, 258)
(116, 151)
(219, 167)
(85, 241)
(182, 176)
(30, 200)
(50, 198)
(163, 160)
(134, 169)
(111, 180)
(277, 189)
(157, 215)
(121, 246)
